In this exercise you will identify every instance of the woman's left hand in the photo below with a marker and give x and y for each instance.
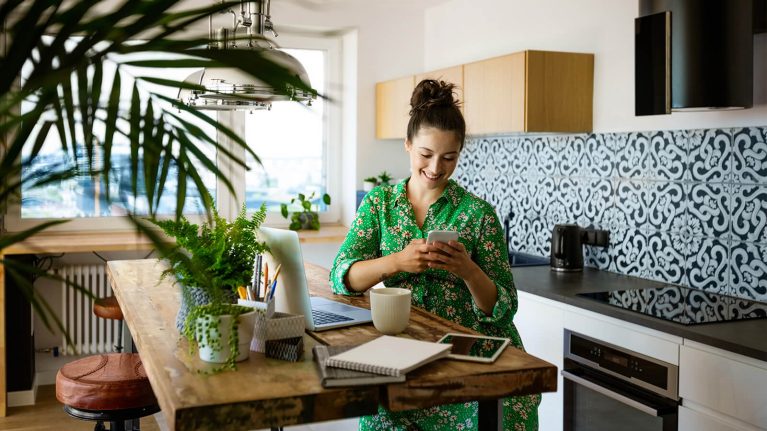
(452, 257)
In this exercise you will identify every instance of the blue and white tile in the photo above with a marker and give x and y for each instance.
(600, 156)
(667, 261)
(519, 229)
(711, 160)
(667, 156)
(597, 257)
(630, 199)
(521, 148)
(542, 191)
(749, 213)
(563, 204)
(539, 237)
(529, 160)
(614, 217)
(748, 268)
(749, 155)
(594, 197)
(708, 265)
(632, 159)
(708, 206)
(543, 159)
(574, 159)
(629, 252)
(650, 204)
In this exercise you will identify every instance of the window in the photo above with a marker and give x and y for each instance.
(296, 144)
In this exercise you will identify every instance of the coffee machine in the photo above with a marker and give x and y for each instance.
(567, 242)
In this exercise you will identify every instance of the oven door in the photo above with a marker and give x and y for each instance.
(596, 401)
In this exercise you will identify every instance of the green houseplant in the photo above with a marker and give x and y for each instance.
(63, 87)
(305, 218)
(384, 178)
(209, 263)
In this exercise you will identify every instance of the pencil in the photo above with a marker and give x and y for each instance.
(266, 279)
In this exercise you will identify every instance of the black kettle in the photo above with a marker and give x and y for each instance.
(567, 242)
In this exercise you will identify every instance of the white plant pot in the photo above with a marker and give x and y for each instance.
(367, 186)
(213, 344)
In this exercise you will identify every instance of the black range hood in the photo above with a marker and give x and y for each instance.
(695, 54)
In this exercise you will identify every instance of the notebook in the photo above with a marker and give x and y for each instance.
(292, 293)
(333, 377)
(391, 356)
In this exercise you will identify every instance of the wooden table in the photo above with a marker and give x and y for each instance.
(266, 393)
(103, 241)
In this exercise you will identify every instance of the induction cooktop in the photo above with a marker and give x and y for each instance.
(682, 305)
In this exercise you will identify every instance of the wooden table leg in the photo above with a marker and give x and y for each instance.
(3, 395)
(490, 415)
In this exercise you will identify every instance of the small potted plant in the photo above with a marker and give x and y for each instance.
(369, 183)
(209, 263)
(305, 219)
(384, 178)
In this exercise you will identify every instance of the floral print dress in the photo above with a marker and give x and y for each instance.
(386, 224)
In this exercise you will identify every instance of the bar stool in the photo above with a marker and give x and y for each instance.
(106, 388)
(109, 308)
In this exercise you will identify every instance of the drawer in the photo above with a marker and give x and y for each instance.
(724, 382)
(693, 420)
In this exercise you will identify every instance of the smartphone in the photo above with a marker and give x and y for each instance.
(475, 348)
(441, 236)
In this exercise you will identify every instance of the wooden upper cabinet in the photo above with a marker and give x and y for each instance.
(453, 75)
(393, 107)
(529, 91)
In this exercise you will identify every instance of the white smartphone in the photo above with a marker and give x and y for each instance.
(475, 348)
(441, 236)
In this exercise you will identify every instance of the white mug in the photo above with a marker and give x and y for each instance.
(390, 307)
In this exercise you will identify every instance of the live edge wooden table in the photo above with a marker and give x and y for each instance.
(265, 392)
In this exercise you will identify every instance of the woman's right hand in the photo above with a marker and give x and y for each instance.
(414, 257)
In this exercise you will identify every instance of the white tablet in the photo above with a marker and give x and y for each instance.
(477, 348)
(441, 236)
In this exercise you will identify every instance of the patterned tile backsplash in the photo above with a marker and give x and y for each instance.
(686, 206)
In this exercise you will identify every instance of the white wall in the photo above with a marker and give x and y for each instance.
(461, 31)
(389, 40)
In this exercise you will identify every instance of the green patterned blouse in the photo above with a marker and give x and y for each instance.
(386, 224)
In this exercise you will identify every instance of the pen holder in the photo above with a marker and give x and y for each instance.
(276, 327)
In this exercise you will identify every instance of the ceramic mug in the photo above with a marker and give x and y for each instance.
(390, 307)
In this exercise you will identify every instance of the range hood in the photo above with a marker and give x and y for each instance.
(694, 55)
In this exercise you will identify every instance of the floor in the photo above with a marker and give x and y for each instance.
(47, 415)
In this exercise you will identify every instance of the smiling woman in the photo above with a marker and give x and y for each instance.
(467, 281)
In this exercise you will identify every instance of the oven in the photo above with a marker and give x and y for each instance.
(607, 387)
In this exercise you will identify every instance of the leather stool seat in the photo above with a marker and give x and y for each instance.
(115, 381)
(107, 308)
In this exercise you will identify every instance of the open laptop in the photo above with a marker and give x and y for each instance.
(292, 292)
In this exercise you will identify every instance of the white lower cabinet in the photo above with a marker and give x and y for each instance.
(719, 390)
(540, 322)
(725, 383)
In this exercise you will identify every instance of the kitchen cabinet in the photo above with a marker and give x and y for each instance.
(721, 386)
(529, 91)
(393, 107)
(453, 75)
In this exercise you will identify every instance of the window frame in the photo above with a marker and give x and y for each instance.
(228, 204)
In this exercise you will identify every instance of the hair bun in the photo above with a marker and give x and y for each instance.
(430, 93)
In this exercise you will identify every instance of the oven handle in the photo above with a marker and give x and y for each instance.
(639, 405)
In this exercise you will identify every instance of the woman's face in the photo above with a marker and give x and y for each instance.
(433, 156)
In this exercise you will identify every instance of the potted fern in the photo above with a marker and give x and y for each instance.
(209, 263)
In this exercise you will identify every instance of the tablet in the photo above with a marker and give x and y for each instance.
(441, 236)
(477, 348)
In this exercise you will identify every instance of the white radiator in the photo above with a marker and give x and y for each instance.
(90, 333)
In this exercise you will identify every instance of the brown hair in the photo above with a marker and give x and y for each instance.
(433, 105)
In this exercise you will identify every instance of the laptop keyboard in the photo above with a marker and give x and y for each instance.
(323, 317)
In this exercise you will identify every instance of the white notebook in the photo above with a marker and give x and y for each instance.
(391, 356)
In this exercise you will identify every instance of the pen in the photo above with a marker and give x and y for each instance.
(274, 281)
(266, 279)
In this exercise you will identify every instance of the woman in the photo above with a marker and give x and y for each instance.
(467, 281)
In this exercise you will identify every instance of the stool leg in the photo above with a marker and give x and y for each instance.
(117, 426)
(119, 345)
(99, 426)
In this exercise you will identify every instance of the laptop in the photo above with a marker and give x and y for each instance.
(292, 292)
